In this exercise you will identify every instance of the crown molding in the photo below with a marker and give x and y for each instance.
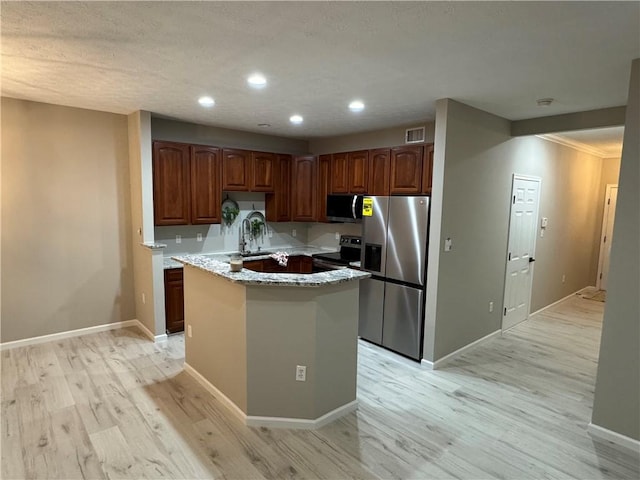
(582, 147)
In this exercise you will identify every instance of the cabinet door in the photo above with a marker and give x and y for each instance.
(427, 169)
(406, 170)
(263, 177)
(340, 173)
(306, 264)
(379, 165)
(255, 265)
(324, 170)
(236, 170)
(174, 300)
(171, 183)
(303, 189)
(206, 194)
(278, 204)
(272, 266)
(358, 171)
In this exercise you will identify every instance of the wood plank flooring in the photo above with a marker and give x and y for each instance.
(114, 405)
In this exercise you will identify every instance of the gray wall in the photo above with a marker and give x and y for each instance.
(617, 404)
(66, 220)
(474, 167)
(176, 131)
(389, 137)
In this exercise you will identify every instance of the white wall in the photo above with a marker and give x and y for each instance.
(616, 404)
(66, 220)
(475, 158)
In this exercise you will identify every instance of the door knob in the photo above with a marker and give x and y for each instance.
(531, 259)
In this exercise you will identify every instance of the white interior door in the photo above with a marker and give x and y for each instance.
(525, 198)
(608, 218)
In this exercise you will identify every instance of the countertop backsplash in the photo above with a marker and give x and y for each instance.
(222, 238)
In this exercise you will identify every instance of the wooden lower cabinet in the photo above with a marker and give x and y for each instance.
(174, 300)
(296, 264)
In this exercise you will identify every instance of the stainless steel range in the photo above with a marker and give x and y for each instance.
(350, 250)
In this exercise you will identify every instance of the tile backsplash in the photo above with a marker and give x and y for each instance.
(219, 238)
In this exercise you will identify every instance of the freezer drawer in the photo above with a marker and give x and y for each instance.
(371, 310)
(402, 328)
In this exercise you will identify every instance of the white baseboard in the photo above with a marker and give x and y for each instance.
(83, 331)
(208, 386)
(561, 300)
(271, 422)
(298, 423)
(68, 334)
(155, 338)
(618, 439)
(447, 358)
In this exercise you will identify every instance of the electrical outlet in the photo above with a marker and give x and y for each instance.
(337, 235)
(178, 238)
(199, 237)
(189, 331)
(564, 277)
(301, 373)
(270, 233)
(490, 307)
(541, 232)
(448, 245)
(294, 232)
(144, 298)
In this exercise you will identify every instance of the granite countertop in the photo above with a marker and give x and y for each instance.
(169, 262)
(218, 267)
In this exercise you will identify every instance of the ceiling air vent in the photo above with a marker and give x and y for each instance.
(414, 135)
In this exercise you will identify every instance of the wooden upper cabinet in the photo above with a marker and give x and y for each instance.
(427, 169)
(278, 204)
(406, 170)
(206, 182)
(379, 166)
(340, 173)
(303, 189)
(171, 183)
(324, 178)
(263, 164)
(358, 171)
(236, 170)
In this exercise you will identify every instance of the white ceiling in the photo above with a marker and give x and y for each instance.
(398, 57)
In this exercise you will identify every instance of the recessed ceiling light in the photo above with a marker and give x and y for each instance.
(264, 125)
(206, 101)
(356, 106)
(257, 80)
(296, 119)
(545, 102)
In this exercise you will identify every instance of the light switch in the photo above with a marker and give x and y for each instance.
(448, 244)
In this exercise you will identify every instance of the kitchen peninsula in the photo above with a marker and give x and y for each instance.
(248, 334)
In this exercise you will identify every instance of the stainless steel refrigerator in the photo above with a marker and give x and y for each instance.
(394, 247)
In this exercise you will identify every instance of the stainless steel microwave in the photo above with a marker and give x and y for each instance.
(344, 208)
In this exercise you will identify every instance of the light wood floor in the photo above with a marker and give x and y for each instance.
(114, 405)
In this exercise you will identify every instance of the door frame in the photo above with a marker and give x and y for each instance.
(603, 231)
(518, 176)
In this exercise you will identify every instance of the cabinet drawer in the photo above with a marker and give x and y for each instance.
(173, 274)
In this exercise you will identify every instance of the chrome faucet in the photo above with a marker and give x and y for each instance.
(245, 227)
